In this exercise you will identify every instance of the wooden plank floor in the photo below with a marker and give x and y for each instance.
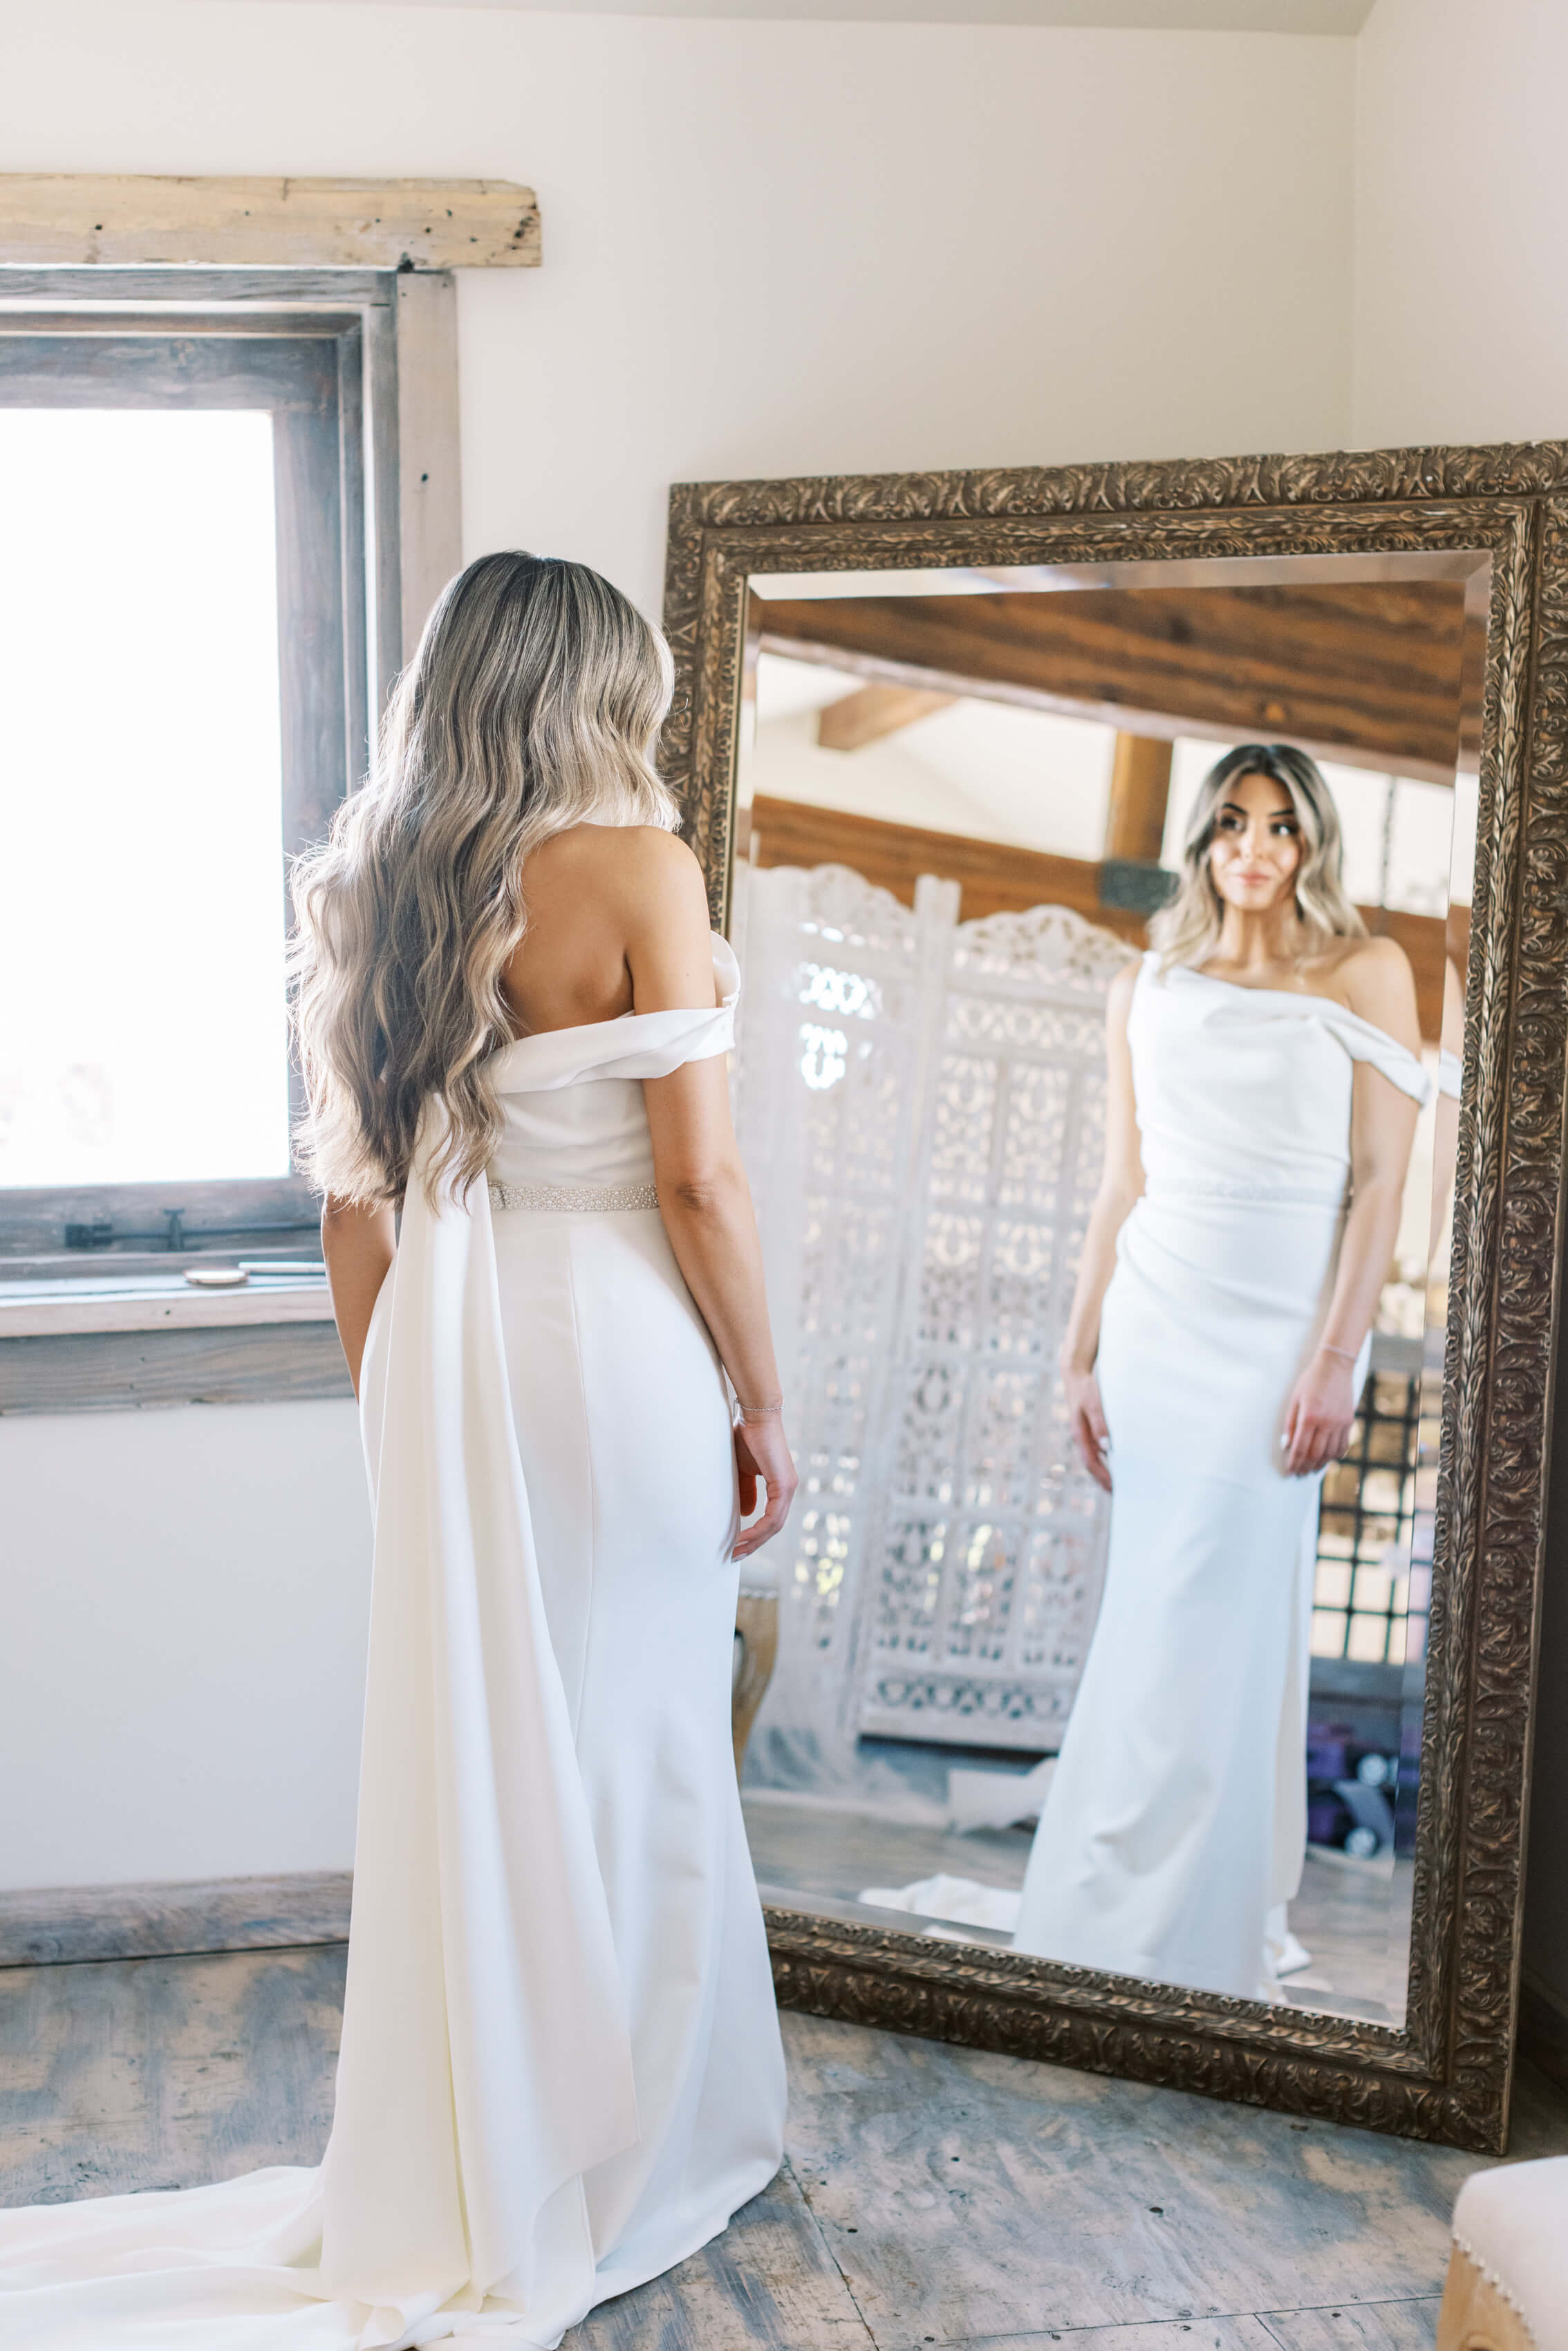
(931, 2196)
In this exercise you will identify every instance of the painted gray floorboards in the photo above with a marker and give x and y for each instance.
(932, 2195)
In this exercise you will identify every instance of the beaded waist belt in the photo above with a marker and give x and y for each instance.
(585, 1198)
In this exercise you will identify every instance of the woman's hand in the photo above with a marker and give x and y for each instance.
(1319, 1416)
(761, 1452)
(1086, 1418)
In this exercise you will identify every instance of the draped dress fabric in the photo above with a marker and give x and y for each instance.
(1174, 1828)
(560, 2069)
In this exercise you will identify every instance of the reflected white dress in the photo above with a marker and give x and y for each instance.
(560, 2070)
(1174, 1828)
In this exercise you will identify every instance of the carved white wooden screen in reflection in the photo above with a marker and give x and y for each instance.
(922, 1105)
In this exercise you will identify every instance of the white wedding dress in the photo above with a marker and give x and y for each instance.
(1174, 1827)
(560, 2070)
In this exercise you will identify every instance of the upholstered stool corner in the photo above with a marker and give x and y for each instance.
(1507, 2286)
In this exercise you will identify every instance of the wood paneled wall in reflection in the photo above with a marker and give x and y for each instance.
(996, 878)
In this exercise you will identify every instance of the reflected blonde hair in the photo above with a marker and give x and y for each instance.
(1186, 930)
(533, 703)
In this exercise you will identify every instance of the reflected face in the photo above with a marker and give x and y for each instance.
(1256, 852)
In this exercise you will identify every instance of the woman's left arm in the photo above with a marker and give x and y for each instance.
(1382, 1129)
(358, 1243)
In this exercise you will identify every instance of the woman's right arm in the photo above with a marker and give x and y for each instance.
(1120, 1185)
(706, 1203)
(704, 1197)
(358, 1245)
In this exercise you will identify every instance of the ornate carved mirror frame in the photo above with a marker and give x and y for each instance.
(1445, 2073)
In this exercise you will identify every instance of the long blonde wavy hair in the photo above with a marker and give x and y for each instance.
(1187, 929)
(533, 703)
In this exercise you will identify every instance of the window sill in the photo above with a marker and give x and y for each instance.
(36, 1309)
(122, 1344)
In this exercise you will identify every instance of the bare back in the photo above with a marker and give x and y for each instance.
(618, 922)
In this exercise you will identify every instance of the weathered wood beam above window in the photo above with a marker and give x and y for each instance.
(68, 216)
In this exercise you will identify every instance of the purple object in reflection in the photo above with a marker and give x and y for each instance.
(1325, 1819)
(1328, 1756)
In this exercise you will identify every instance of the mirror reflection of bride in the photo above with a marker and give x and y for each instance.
(1264, 1080)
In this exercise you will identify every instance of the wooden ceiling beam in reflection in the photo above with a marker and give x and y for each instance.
(1368, 673)
(875, 712)
(996, 878)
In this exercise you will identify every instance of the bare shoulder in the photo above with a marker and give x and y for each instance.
(663, 857)
(658, 875)
(1374, 963)
(1378, 983)
(631, 860)
(617, 920)
(625, 850)
(637, 874)
(662, 897)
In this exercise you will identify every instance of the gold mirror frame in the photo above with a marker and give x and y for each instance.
(1445, 2073)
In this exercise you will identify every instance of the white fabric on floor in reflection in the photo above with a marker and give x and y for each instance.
(560, 2068)
(963, 1901)
(1176, 1820)
(996, 1799)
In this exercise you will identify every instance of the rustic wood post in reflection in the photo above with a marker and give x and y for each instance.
(1140, 788)
(1131, 879)
(757, 1632)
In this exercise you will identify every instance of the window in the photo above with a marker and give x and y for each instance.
(143, 797)
(185, 631)
(1368, 1515)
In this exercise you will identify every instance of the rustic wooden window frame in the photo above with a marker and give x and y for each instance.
(384, 449)
(1447, 2072)
(306, 372)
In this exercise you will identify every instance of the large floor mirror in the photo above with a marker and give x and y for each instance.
(1105, 1715)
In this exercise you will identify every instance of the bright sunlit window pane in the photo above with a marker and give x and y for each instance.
(140, 888)
(1328, 1633)
(1368, 1639)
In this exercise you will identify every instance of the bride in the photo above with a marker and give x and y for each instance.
(1264, 1079)
(560, 2069)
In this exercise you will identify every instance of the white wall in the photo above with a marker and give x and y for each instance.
(186, 1595)
(986, 770)
(783, 247)
(768, 248)
(1461, 334)
(1461, 329)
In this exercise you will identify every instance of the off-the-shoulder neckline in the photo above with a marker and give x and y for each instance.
(1294, 996)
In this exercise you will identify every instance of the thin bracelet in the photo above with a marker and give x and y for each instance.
(1349, 1353)
(757, 1411)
